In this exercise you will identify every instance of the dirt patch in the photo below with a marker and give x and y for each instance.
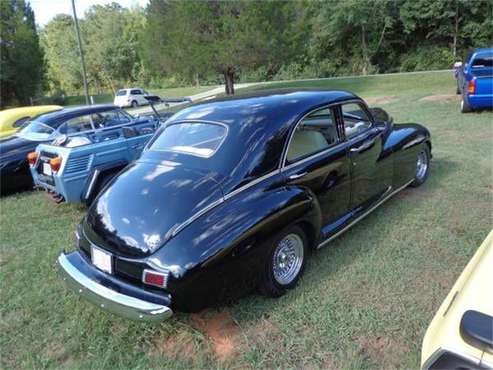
(384, 350)
(380, 100)
(180, 345)
(221, 329)
(441, 98)
(59, 354)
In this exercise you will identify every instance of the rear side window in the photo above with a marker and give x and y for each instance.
(315, 133)
(136, 92)
(355, 118)
(199, 139)
(121, 92)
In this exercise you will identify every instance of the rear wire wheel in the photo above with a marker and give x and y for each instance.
(285, 262)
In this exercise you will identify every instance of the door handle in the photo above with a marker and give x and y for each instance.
(366, 145)
(297, 176)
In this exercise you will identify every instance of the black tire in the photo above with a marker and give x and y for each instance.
(421, 173)
(269, 284)
(134, 104)
(464, 106)
(457, 90)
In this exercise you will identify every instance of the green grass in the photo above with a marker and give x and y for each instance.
(365, 300)
(170, 92)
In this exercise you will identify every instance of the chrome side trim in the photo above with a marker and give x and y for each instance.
(110, 300)
(214, 204)
(196, 215)
(383, 200)
(91, 184)
(251, 183)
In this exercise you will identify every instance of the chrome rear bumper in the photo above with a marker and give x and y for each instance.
(108, 299)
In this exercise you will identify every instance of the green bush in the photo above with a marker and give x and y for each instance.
(427, 58)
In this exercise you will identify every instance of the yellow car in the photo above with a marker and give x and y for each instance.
(12, 119)
(461, 333)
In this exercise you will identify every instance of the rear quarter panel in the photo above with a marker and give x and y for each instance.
(226, 248)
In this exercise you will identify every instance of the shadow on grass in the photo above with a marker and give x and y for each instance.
(253, 307)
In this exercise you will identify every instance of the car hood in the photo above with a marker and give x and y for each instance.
(146, 205)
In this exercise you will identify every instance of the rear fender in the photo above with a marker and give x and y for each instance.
(227, 247)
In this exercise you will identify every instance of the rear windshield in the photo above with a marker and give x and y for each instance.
(121, 92)
(483, 60)
(199, 139)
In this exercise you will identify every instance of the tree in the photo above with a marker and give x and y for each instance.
(200, 37)
(353, 32)
(112, 59)
(21, 56)
(450, 23)
(62, 56)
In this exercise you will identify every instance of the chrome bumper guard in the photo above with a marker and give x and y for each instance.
(108, 299)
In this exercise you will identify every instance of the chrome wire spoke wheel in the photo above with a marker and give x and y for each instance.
(422, 165)
(288, 259)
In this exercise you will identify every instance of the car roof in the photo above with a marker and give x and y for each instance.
(273, 107)
(258, 126)
(71, 112)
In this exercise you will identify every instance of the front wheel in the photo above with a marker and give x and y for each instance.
(422, 166)
(285, 262)
(134, 104)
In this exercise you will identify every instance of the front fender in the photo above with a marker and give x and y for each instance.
(403, 143)
(222, 253)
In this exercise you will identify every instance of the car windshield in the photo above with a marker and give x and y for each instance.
(35, 130)
(121, 92)
(199, 139)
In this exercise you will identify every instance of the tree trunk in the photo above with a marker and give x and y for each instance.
(456, 30)
(364, 47)
(229, 79)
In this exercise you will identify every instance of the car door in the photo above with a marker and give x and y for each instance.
(315, 158)
(371, 174)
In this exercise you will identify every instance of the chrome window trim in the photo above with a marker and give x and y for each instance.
(148, 147)
(368, 113)
(343, 140)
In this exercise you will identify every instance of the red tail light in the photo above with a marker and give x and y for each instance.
(155, 278)
(32, 158)
(471, 86)
(55, 163)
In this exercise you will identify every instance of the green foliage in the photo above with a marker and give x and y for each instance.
(21, 63)
(430, 57)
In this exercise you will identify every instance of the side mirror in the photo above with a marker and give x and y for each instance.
(380, 115)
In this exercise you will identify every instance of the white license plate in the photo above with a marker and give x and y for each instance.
(102, 260)
(47, 169)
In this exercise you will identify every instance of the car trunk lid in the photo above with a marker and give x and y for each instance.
(147, 204)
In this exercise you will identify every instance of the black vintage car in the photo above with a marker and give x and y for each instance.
(232, 194)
